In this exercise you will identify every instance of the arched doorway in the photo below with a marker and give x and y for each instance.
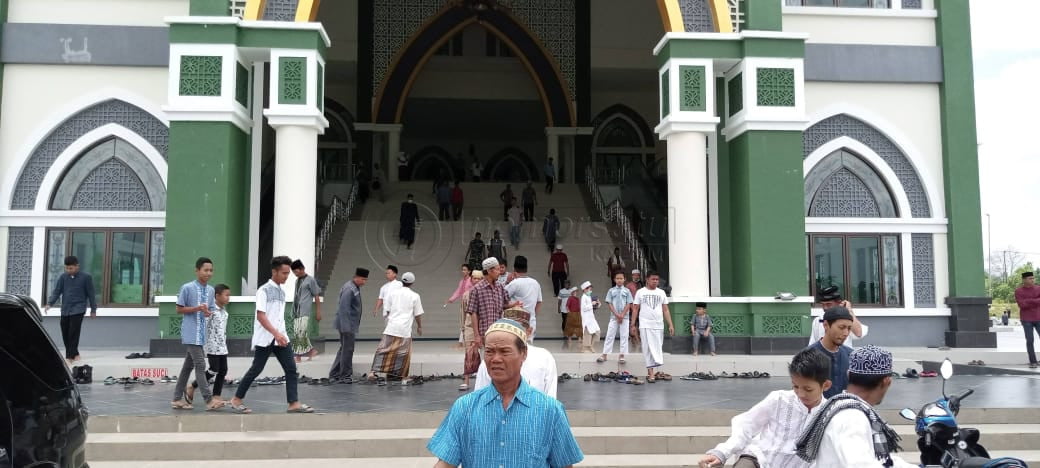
(511, 165)
(621, 138)
(336, 146)
(433, 162)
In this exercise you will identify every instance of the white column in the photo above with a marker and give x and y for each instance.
(552, 150)
(295, 191)
(393, 146)
(688, 262)
(255, 182)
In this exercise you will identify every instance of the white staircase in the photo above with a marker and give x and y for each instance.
(440, 249)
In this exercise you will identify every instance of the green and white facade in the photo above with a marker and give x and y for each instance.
(803, 145)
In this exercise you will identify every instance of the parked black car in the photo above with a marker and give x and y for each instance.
(43, 422)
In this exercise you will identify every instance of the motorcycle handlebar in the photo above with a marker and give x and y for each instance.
(955, 400)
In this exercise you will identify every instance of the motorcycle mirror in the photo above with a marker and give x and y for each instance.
(908, 414)
(946, 369)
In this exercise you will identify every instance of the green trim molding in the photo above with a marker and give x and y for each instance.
(960, 159)
(200, 75)
(292, 80)
(209, 8)
(665, 99)
(775, 87)
(186, 33)
(762, 15)
(692, 88)
(262, 38)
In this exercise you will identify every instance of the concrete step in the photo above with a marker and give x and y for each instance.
(617, 461)
(365, 443)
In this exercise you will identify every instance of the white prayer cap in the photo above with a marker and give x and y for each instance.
(408, 278)
(586, 285)
(635, 272)
(489, 263)
(559, 246)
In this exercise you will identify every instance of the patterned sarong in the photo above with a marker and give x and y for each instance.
(301, 342)
(393, 357)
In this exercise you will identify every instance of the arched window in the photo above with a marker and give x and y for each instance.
(842, 185)
(111, 176)
(336, 146)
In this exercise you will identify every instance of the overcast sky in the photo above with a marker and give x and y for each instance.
(1007, 105)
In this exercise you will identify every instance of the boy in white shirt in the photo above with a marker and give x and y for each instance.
(650, 311)
(766, 434)
(589, 326)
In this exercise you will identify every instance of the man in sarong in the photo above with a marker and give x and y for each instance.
(394, 353)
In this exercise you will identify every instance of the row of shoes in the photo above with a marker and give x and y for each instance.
(912, 373)
(139, 356)
(624, 377)
(128, 381)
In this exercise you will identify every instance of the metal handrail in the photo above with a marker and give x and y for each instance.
(616, 213)
(338, 211)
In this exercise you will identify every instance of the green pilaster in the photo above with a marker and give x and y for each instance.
(209, 8)
(762, 15)
(209, 191)
(665, 100)
(960, 151)
(725, 279)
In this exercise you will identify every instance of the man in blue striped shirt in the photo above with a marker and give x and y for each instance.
(509, 423)
(195, 302)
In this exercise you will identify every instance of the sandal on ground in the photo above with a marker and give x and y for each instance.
(181, 405)
(215, 405)
(133, 356)
(110, 380)
(691, 376)
(650, 380)
(764, 375)
(239, 408)
(637, 381)
(663, 376)
(463, 387)
(621, 360)
(304, 409)
(911, 373)
(600, 359)
(929, 374)
(147, 382)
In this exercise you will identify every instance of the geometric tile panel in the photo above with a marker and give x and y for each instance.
(240, 325)
(292, 73)
(924, 269)
(781, 325)
(112, 186)
(280, 10)
(731, 325)
(776, 87)
(843, 194)
(844, 125)
(48, 150)
(19, 260)
(696, 15)
(200, 75)
(395, 21)
(691, 88)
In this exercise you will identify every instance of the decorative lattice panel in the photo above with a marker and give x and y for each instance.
(173, 327)
(157, 248)
(237, 8)
(112, 186)
(395, 21)
(844, 195)
(844, 125)
(619, 133)
(692, 88)
(735, 91)
(736, 15)
(242, 85)
(292, 76)
(200, 75)
(55, 257)
(280, 10)
(19, 260)
(775, 87)
(113, 111)
(665, 94)
(781, 325)
(911, 4)
(696, 15)
(924, 269)
(731, 325)
(240, 325)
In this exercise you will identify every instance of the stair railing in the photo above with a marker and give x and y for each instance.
(616, 213)
(340, 210)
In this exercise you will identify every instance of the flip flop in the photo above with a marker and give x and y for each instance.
(463, 387)
(929, 374)
(133, 356)
(664, 377)
(303, 409)
(600, 360)
(693, 376)
(210, 407)
(621, 360)
(181, 405)
(240, 408)
(110, 380)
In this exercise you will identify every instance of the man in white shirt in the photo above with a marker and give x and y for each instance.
(525, 289)
(269, 337)
(649, 307)
(539, 369)
(847, 432)
(391, 285)
(829, 297)
(404, 309)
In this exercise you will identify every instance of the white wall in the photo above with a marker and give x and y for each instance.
(38, 97)
(845, 26)
(907, 113)
(121, 12)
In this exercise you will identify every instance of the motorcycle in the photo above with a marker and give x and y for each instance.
(942, 442)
